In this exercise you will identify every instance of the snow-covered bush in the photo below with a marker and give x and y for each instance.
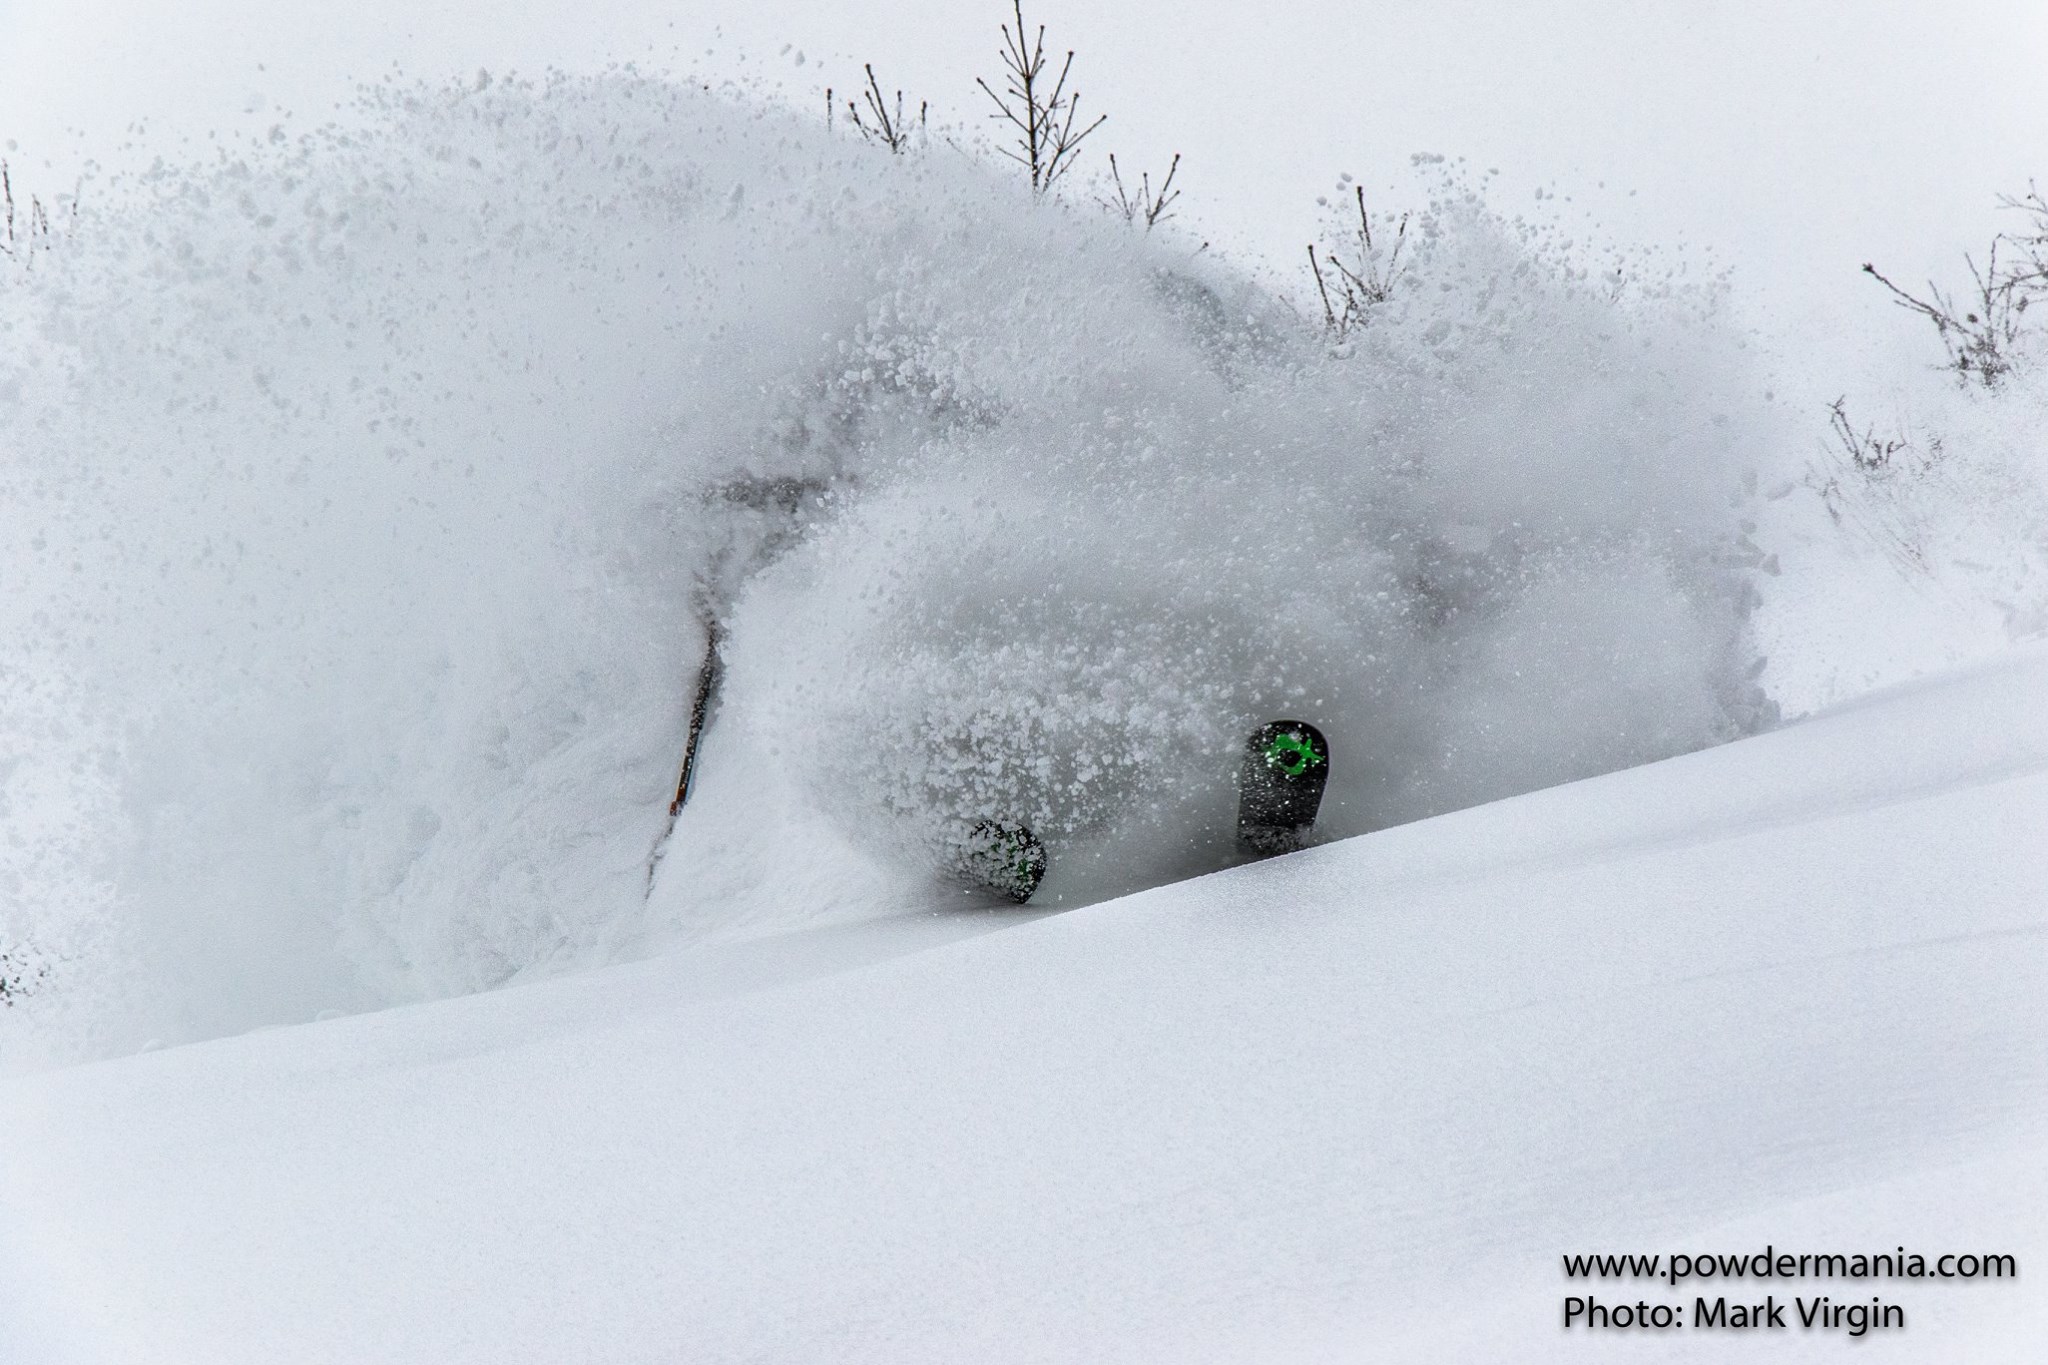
(368, 484)
(1951, 493)
(1940, 474)
(1989, 335)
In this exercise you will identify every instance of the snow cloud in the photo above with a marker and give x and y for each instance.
(372, 488)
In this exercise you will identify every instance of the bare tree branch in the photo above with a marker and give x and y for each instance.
(21, 244)
(1982, 337)
(1044, 118)
(1143, 204)
(892, 130)
(1364, 282)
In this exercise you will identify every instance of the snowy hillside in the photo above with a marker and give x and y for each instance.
(388, 488)
(1353, 1104)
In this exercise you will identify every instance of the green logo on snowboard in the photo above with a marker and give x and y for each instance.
(1291, 754)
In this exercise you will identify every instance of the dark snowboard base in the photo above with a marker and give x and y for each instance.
(1280, 786)
(1004, 857)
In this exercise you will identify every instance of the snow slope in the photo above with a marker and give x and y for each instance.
(1351, 1104)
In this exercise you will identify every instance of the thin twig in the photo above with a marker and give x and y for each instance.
(1329, 313)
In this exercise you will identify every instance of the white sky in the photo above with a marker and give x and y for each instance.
(1795, 139)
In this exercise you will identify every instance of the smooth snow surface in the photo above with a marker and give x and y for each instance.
(1352, 1104)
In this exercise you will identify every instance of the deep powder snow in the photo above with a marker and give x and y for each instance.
(371, 489)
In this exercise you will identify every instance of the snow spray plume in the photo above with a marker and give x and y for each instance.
(371, 486)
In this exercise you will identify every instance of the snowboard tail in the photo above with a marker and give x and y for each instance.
(1280, 786)
(1004, 857)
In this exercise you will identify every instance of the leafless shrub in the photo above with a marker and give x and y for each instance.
(2031, 242)
(1351, 289)
(1981, 334)
(1040, 108)
(1144, 205)
(20, 241)
(883, 122)
(1865, 450)
(1887, 490)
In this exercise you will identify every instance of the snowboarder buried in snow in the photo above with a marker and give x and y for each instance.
(1280, 788)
